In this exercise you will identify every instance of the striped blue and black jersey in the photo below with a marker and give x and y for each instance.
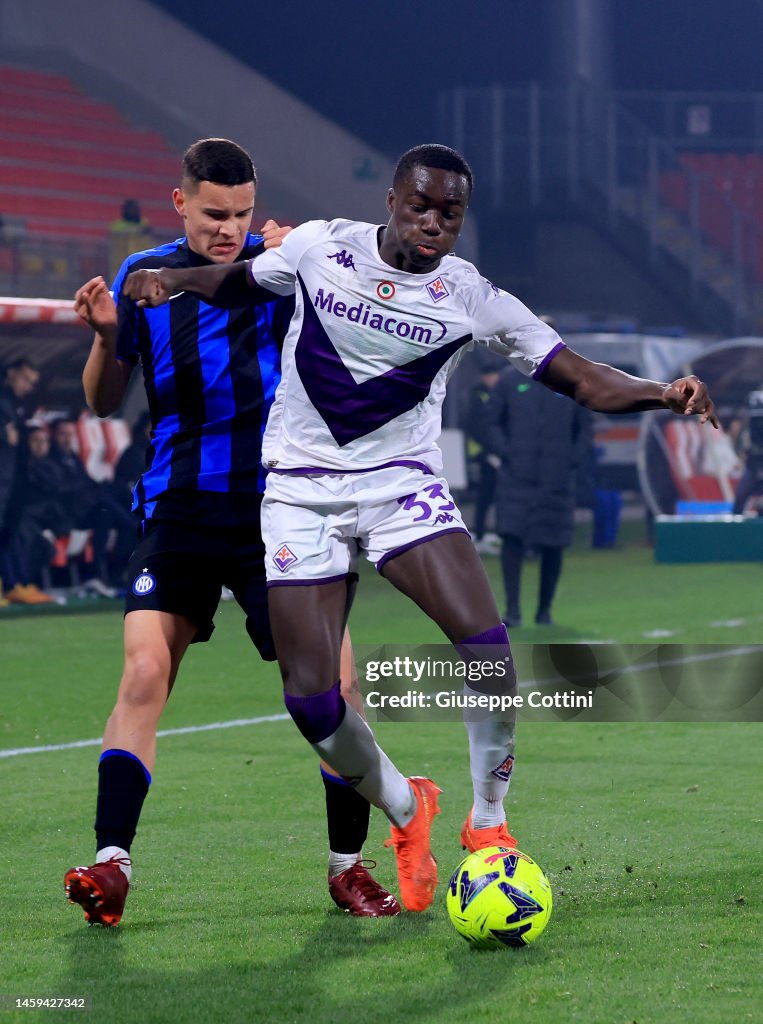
(210, 376)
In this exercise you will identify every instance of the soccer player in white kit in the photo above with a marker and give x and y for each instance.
(383, 314)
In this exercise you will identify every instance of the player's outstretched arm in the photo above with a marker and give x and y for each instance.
(104, 378)
(222, 284)
(602, 388)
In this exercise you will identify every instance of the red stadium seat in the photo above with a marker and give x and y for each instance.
(14, 176)
(27, 78)
(63, 153)
(23, 125)
(71, 107)
(729, 185)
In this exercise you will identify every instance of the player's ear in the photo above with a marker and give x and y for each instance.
(391, 200)
(178, 199)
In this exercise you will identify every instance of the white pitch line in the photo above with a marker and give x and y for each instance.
(523, 684)
(209, 727)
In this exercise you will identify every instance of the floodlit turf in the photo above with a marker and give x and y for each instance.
(650, 835)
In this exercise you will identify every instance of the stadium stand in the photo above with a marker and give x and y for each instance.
(725, 183)
(67, 161)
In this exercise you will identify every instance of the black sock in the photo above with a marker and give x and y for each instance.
(122, 787)
(347, 814)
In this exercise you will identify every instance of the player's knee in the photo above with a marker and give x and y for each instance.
(146, 680)
(300, 681)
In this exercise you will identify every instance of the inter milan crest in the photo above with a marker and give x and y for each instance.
(144, 584)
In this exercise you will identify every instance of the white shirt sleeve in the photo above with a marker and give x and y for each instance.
(510, 329)
(276, 269)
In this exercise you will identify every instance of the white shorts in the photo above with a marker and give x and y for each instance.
(314, 527)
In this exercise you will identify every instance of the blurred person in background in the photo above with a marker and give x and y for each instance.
(39, 518)
(478, 450)
(93, 505)
(19, 380)
(130, 233)
(542, 439)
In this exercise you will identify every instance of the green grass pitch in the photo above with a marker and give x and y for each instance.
(650, 834)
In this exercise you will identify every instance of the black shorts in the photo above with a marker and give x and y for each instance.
(180, 568)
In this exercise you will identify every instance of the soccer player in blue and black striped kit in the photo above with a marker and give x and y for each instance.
(210, 377)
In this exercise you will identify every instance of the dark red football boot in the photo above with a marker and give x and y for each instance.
(101, 890)
(356, 891)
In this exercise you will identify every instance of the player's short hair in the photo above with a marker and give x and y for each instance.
(217, 160)
(442, 157)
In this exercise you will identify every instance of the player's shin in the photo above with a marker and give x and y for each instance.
(123, 782)
(491, 758)
(491, 732)
(347, 816)
(340, 737)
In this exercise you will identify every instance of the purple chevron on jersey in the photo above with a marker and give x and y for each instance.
(352, 410)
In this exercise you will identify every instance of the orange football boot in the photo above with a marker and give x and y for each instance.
(416, 867)
(473, 839)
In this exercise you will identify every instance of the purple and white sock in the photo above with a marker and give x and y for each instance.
(342, 739)
(491, 734)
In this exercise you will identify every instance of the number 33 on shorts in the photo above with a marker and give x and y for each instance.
(430, 501)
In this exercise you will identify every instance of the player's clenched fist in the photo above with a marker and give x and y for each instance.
(147, 287)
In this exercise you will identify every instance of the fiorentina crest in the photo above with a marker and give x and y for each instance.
(503, 771)
(437, 290)
(283, 558)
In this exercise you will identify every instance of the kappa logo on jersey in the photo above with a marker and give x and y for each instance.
(344, 259)
(503, 771)
(385, 290)
(437, 290)
(283, 558)
(144, 584)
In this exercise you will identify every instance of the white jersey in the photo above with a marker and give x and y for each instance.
(370, 348)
